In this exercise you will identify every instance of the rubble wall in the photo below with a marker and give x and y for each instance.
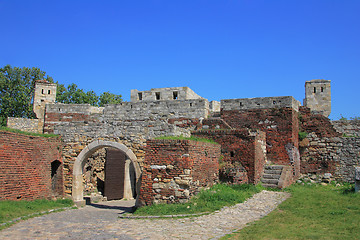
(175, 170)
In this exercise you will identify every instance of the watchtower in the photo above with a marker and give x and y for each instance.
(45, 93)
(318, 96)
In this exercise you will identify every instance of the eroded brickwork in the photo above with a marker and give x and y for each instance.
(26, 167)
(175, 170)
(280, 125)
(243, 154)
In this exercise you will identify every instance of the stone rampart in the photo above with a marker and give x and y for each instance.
(127, 123)
(175, 170)
(31, 167)
(260, 103)
(348, 127)
(25, 124)
(336, 155)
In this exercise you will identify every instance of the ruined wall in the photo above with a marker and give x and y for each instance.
(24, 124)
(175, 170)
(128, 123)
(26, 167)
(324, 150)
(281, 126)
(243, 153)
(336, 155)
(347, 127)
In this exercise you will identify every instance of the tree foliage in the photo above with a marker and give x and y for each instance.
(17, 90)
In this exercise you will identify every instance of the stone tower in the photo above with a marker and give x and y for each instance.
(318, 96)
(45, 93)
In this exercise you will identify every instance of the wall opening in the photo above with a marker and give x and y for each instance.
(175, 95)
(157, 95)
(140, 96)
(49, 91)
(42, 91)
(56, 178)
(132, 170)
(314, 89)
(322, 89)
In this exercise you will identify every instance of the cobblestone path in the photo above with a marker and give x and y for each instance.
(101, 222)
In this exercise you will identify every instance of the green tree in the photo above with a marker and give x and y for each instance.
(16, 91)
(109, 98)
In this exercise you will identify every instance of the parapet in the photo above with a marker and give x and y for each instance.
(156, 94)
(260, 103)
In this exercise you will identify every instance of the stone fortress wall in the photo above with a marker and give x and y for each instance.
(179, 111)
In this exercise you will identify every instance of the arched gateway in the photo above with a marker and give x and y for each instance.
(77, 181)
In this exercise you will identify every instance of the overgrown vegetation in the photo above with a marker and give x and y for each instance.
(27, 133)
(313, 212)
(10, 210)
(187, 138)
(210, 200)
(302, 135)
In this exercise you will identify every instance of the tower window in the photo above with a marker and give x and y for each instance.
(49, 91)
(314, 89)
(42, 91)
(157, 96)
(140, 96)
(175, 95)
(322, 89)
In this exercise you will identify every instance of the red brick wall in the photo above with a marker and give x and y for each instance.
(316, 123)
(25, 166)
(174, 170)
(241, 153)
(280, 124)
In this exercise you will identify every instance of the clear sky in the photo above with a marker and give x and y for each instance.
(221, 49)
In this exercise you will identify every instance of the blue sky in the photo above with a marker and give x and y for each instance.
(221, 49)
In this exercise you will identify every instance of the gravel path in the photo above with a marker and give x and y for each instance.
(101, 221)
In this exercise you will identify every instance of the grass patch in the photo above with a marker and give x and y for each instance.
(210, 200)
(186, 138)
(10, 210)
(27, 133)
(313, 212)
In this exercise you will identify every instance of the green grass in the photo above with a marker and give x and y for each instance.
(313, 212)
(210, 200)
(27, 133)
(186, 138)
(10, 210)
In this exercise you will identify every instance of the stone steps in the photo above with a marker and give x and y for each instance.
(271, 176)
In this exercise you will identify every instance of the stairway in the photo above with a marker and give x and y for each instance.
(271, 176)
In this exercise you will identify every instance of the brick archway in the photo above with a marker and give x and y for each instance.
(77, 181)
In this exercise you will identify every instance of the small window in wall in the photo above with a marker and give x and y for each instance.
(241, 104)
(322, 89)
(42, 91)
(314, 89)
(274, 102)
(49, 91)
(175, 95)
(140, 96)
(232, 154)
(157, 96)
